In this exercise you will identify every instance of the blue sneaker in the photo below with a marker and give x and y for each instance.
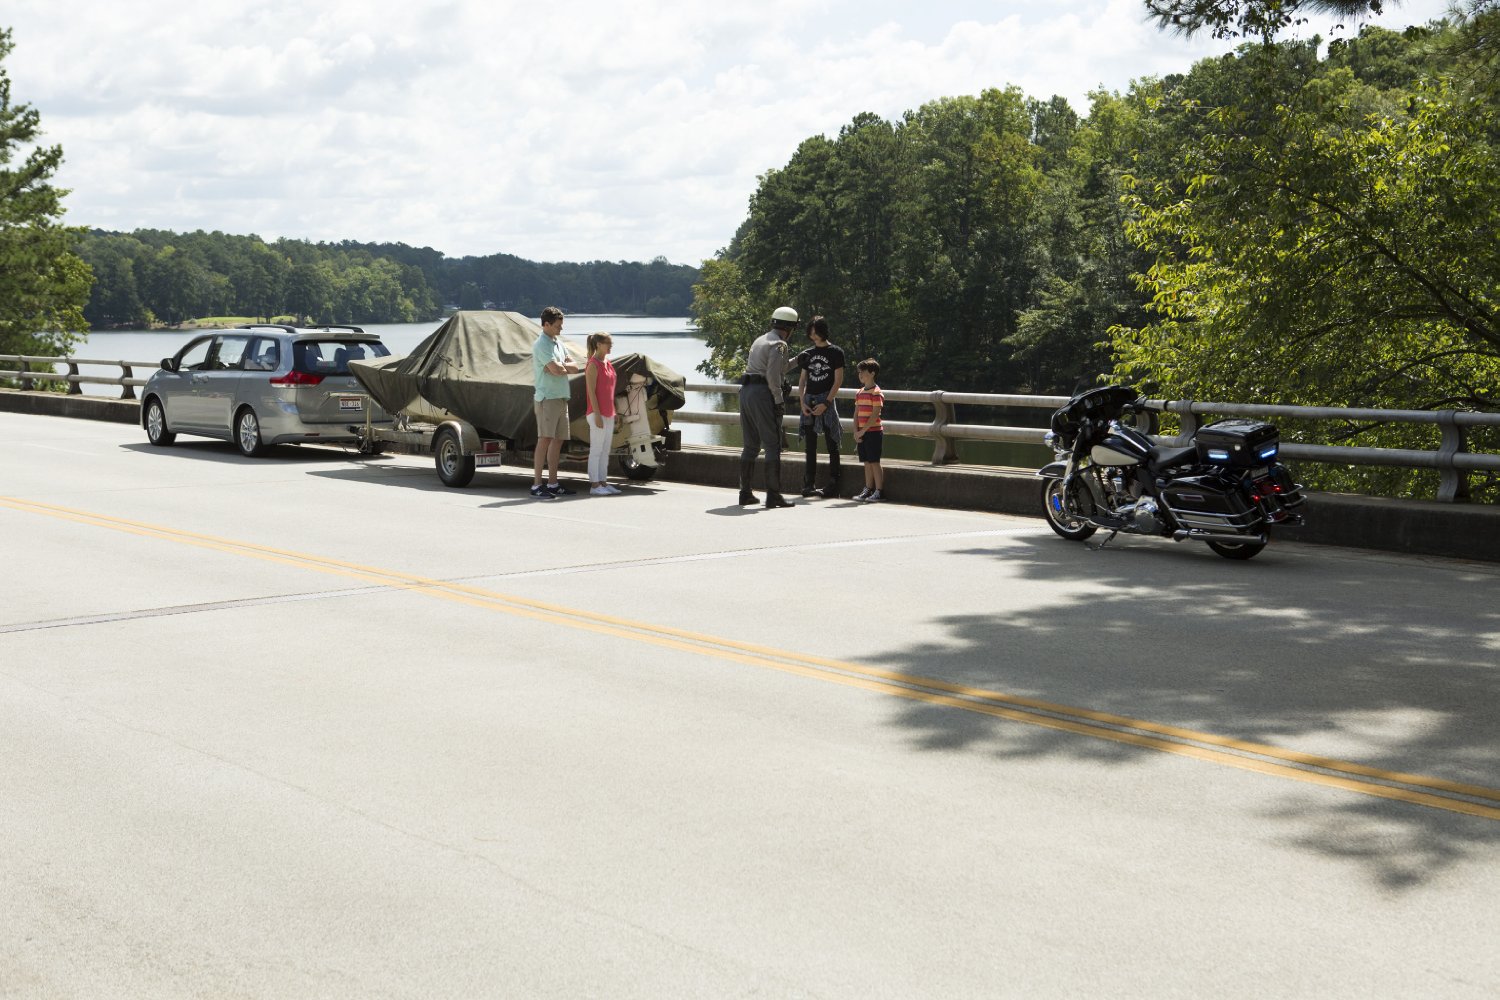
(542, 493)
(558, 490)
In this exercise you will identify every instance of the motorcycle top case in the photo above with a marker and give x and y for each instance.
(1240, 444)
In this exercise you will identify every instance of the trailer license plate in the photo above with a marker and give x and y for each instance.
(487, 458)
(351, 403)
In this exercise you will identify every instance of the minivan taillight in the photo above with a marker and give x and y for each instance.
(297, 378)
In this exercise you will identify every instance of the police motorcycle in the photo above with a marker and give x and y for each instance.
(1223, 487)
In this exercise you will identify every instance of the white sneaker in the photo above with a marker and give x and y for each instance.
(873, 497)
(613, 490)
(599, 491)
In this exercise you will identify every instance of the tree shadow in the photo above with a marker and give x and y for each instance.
(1303, 648)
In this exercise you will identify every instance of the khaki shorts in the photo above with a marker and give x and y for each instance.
(552, 419)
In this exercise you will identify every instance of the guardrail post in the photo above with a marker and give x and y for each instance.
(944, 448)
(26, 383)
(127, 391)
(74, 388)
(1453, 482)
(1189, 421)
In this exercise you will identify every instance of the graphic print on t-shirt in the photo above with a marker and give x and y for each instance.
(820, 364)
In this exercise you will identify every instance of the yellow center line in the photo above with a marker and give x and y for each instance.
(1263, 758)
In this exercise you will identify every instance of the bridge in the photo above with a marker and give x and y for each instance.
(314, 725)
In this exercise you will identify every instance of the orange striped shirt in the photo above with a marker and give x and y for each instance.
(867, 406)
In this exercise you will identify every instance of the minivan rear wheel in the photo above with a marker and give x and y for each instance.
(247, 434)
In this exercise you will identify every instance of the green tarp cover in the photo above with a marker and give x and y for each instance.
(477, 366)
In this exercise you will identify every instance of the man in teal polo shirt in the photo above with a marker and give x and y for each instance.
(551, 367)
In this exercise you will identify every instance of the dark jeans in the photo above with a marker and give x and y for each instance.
(810, 461)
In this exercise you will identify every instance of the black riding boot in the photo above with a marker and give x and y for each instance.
(774, 498)
(747, 469)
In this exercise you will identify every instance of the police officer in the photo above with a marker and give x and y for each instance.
(762, 407)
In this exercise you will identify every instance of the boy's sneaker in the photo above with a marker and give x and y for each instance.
(542, 493)
(861, 495)
(558, 490)
(873, 497)
(599, 491)
(612, 490)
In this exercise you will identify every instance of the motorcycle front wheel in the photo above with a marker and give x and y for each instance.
(1074, 529)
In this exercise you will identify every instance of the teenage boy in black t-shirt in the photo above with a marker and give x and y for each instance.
(822, 367)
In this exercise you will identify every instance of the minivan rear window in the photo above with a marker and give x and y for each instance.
(332, 357)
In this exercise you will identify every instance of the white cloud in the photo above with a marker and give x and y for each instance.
(562, 131)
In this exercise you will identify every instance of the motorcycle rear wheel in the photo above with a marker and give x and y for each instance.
(1237, 550)
(1074, 529)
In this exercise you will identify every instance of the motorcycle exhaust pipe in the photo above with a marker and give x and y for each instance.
(1197, 535)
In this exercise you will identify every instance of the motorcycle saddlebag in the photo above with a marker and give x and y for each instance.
(1238, 444)
(1212, 503)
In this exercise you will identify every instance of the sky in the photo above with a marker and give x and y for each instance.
(553, 131)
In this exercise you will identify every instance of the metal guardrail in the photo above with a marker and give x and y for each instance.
(1452, 460)
(18, 369)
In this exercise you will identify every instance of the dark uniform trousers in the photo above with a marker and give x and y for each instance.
(760, 428)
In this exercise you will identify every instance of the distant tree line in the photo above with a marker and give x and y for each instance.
(1279, 224)
(153, 276)
(655, 288)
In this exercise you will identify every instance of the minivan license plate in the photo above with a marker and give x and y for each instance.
(351, 403)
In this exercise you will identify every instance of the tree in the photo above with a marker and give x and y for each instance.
(307, 292)
(43, 282)
(1262, 19)
(1328, 257)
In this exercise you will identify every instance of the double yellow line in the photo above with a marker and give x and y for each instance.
(1437, 793)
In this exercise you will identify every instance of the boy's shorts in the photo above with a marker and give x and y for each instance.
(552, 419)
(870, 446)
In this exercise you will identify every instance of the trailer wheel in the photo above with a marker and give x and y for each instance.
(454, 468)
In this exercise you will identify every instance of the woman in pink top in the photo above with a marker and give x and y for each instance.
(599, 378)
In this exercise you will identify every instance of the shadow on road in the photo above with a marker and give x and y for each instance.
(1303, 648)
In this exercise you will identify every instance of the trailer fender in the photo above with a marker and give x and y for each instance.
(468, 435)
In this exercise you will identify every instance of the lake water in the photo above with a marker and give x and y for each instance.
(670, 340)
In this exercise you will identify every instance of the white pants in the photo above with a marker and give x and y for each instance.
(599, 441)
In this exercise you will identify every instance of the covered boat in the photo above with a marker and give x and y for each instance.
(477, 367)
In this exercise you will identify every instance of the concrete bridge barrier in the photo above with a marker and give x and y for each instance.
(1454, 530)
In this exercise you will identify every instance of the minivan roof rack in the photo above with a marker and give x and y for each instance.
(270, 326)
(341, 326)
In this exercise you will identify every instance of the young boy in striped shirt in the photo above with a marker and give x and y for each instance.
(869, 432)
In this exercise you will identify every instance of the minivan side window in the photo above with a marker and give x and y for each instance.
(195, 358)
(265, 355)
(230, 353)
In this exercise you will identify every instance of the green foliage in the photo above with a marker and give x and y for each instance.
(1335, 247)
(961, 245)
(729, 317)
(43, 282)
(171, 277)
(1263, 19)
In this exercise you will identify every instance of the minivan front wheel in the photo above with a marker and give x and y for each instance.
(156, 424)
(247, 434)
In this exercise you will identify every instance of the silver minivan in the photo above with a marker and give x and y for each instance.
(263, 385)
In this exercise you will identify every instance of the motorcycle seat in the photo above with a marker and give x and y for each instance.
(1165, 457)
